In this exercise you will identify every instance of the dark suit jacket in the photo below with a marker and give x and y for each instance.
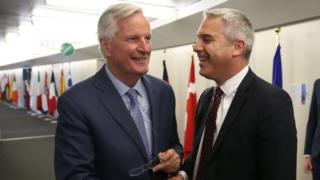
(312, 144)
(257, 140)
(96, 137)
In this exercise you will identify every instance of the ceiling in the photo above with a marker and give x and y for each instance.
(14, 12)
(263, 14)
(37, 28)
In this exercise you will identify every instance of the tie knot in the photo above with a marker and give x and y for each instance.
(218, 92)
(132, 94)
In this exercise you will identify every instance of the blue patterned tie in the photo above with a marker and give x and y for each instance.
(137, 117)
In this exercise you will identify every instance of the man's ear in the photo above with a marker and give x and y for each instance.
(105, 46)
(239, 48)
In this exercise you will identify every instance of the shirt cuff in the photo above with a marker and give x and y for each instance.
(184, 175)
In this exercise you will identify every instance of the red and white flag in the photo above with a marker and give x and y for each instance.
(39, 100)
(15, 91)
(45, 94)
(191, 111)
(35, 92)
(52, 103)
(3, 87)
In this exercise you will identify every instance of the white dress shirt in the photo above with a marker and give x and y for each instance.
(229, 89)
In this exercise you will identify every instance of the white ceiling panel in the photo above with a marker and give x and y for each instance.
(166, 33)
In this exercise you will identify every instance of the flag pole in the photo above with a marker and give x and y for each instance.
(278, 30)
(69, 68)
(277, 65)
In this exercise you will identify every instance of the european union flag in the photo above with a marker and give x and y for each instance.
(277, 68)
(69, 80)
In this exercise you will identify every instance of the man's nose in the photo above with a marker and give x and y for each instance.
(196, 46)
(144, 45)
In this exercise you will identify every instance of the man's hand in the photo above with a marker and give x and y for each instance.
(307, 164)
(169, 162)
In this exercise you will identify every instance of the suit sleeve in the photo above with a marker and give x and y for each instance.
(312, 121)
(74, 153)
(277, 138)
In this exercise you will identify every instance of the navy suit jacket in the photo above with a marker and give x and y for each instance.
(312, 144)
(258, 138)
(96, 137)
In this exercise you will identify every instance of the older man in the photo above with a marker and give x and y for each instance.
(120, 118)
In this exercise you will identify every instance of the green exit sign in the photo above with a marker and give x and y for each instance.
(67, 49)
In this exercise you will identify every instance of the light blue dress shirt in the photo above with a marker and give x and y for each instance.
(142, 100)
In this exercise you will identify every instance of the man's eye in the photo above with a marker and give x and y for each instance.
(148, 38)
(134, 38)
(206, 40)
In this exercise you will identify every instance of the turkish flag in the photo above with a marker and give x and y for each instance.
(191, 111)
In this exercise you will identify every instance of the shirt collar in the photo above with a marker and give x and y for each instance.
(120, 86)
(233, 83)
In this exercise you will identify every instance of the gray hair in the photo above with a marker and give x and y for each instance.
(236, 26)
(107, 24)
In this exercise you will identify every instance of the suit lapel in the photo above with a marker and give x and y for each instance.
(239, 99)
(113, 103)
(154, 112)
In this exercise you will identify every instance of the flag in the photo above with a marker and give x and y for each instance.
(26, 76)
(3, 87)
(45, 94)
(190, 112)
(52, 103)
(69, 80)
(62, 87)
(165, 76)
(7, 88)
(27, 94)
(35, 92)
(39, 93)
(10, 88)
(277, 68)
(15, 93)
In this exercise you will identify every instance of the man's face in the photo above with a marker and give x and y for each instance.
(129, 51)
(214, 50)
